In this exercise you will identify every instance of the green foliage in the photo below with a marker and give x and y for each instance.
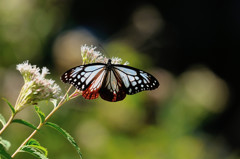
(66, 135)
(41, 115)
(4, 145)
(20, 121)
(3, 153)
(2, 120)
(34, 148)
(10, 105)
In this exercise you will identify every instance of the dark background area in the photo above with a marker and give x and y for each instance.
(201, 31)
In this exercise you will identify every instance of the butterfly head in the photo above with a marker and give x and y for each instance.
(109, 62)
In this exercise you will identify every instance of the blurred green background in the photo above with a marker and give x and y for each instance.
(190, 116)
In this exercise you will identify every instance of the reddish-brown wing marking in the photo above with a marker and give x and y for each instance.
(92, 91)
(113, 88)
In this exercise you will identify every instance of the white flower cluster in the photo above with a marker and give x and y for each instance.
(116, 60)
(36, 87)
(90, 55)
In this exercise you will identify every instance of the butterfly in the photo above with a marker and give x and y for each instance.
(111, 81)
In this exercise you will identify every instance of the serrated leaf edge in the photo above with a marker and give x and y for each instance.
(35, 152)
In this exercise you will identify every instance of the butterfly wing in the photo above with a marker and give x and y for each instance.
(86, 78)
(135, 80)
(92, 90)
(113, 88)
(112, 81)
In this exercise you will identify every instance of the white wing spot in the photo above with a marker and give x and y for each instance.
(82, 79)
(140, 81)
(78, 76)
(130, 90)
(131, 78)
(134, 83)
(136, 88)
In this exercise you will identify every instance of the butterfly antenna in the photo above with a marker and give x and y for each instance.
(104, 51)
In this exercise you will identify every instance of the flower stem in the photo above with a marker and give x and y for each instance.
(26, 140)
(7, 124)
(63, 100)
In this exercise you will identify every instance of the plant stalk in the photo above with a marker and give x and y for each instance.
(7, 124)
(63, 100)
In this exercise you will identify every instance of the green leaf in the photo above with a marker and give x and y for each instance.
(67, 97)
(33, 150)
(3, 153)
(66, 135)
(41, 115)
(35, 144)
(6, 144)
(9, 104)
(2, 119)
(20, 121)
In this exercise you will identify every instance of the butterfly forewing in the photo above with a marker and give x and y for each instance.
(136, 80)
(82, 76)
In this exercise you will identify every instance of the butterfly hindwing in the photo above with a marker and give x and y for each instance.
(113, 88)
(93, 88)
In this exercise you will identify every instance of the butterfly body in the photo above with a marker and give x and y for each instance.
(111, 81)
